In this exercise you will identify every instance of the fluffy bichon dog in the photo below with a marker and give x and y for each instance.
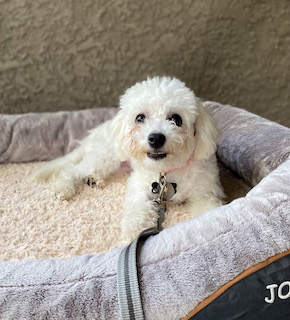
(161, 127)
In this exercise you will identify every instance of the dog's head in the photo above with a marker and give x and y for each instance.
(161, 125)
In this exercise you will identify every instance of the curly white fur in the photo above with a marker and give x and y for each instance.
(189, 149)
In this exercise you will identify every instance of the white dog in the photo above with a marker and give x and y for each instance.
(161, 127)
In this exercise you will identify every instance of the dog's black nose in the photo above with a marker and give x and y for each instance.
(156, 140)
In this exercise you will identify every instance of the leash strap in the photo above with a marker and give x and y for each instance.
(129, 295)
(127, 279)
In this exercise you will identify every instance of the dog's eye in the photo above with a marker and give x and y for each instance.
(176, 118)
(140, 118)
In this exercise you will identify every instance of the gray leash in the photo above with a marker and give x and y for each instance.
(129, 295)
(127, 279)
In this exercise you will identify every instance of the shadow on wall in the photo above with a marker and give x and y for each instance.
(58, 55)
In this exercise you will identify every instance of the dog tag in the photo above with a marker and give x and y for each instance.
(155, 187)
(170, 192)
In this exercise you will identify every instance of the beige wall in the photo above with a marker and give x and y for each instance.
(69, 54)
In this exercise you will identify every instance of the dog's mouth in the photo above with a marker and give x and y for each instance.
(156, 155)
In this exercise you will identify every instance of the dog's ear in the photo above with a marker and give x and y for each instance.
(206, 134)
(119, 135)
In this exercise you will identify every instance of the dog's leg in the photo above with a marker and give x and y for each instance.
(139, 211)
(137, 217)
(197, 206)
(94, 166)
(95, 157)
(51, 169)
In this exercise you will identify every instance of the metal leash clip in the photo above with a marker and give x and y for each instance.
(160, 200)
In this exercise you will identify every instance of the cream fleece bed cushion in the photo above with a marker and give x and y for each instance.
(34, 224)
(182, 265)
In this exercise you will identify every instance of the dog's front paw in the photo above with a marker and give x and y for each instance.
(127, 238)
(129, 230)
(128, 235)
(94, 182)
(133, 224)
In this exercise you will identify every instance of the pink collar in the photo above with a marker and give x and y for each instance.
(188, 162)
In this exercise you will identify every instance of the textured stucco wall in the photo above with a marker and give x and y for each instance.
(73, 54)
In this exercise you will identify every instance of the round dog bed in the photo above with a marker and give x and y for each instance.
(190, 270)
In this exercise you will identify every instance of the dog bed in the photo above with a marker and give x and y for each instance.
(236, 255)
